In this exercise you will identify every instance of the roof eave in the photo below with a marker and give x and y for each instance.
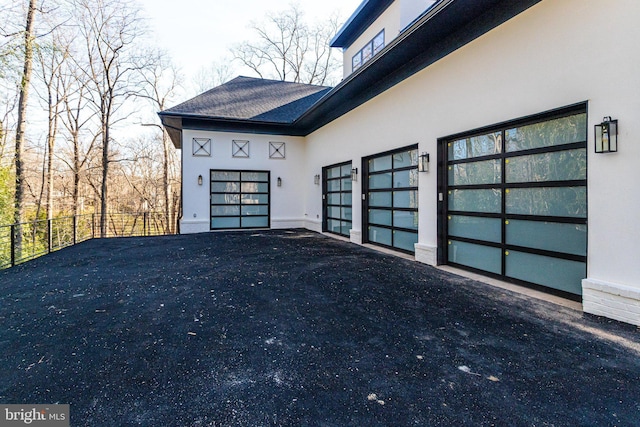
(447, 26)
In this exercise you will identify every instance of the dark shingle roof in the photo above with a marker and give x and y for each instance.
(246, 98)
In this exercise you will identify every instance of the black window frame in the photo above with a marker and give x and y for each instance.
(374, 52)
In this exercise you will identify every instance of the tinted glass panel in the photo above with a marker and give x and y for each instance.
(333, 185)
(549, 236)
(565, 130)
(381, 180)
(346, 184)
(382, 199)
(225, 199)
(225, 187)
(333, 225)
(405, 159)
(381, 217)
(404, 240)
(380, 164)
(552, 272)
(333, 198)
(255, 210)
(345, 170)
(476, 256)
(346, 213)
(345, 228)
(225, 222)
(556, 166)
(487, 229)
(225, 210)
(255, 187)
(548, 201)
(475, 146)
(255, 176)
(333, 172)
(346, 198)
(408, 178)
(254, 199)
(258, 221)
(489, 200)
(405, 219)
(380, 235)
(333, 211)
(405, 199)
(225, 176)
(487, 172)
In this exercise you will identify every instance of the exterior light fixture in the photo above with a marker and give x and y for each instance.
(199, 179)
(607, 136)
(354, 174)
(279, 182)
(423, 162)
(316, 179)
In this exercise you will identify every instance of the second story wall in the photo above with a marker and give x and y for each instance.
(389, 22)
(381, 32)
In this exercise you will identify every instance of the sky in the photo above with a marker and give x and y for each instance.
(199, 32)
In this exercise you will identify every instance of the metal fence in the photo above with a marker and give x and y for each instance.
(26, 241)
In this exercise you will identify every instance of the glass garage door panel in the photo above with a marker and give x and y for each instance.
(391, 187)
(517, 202)
(337, 214)
(565, 275)
(239, 199)
(480, 257)
(476, 228)
(548, 236)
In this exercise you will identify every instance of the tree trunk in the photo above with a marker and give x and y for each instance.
(105, 173)
(21, 125)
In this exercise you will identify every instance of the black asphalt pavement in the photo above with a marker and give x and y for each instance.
(292, 328)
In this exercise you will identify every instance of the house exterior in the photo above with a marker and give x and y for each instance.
(498, 99)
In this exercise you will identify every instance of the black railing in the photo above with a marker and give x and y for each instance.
(25, 241)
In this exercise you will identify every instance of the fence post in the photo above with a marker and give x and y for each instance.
(13, 245)
(93, 225)
(49, 236)
(75, 231)
(145, 218)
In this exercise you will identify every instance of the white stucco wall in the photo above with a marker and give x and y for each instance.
(411, 9)
(555, 54)
(287, 201)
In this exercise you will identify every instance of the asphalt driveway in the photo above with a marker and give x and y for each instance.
(292, 328)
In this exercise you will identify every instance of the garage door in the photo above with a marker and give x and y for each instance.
(239, 199)
(516, 201)
(337, 203)
(390, 212)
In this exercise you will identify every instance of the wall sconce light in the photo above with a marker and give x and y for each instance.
(607, 136)
(316, 179)
(199, 179)
(279, 182)
(423, 162)
(354, 174)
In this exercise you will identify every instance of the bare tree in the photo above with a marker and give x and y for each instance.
(77, 119)
(51, 58)
(110, 29)
(212, 75)
(289, 49)
(161, 83)
(25, 83)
